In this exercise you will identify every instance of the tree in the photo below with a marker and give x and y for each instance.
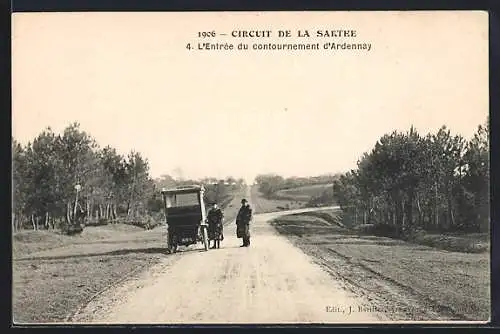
(269, 183)
(42, 184)
(165, 181)
(476, 179)
(436, 182)
(19, 187)
(46, 170)
(139, 187)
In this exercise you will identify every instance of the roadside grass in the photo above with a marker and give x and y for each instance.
(417, 279)
(454, 242)
(51, 290)
(29, 241)
(54, 274)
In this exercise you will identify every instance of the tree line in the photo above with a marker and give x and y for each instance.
(218, 191)
(409, 182)
(55, 177)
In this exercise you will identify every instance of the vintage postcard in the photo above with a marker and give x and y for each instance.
(250, 167)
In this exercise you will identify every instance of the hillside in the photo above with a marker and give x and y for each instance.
(304, 193)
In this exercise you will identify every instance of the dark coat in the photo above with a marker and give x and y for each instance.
(215, 227)
(215, 216)
(243, 222)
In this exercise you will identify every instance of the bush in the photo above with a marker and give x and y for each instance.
(380, 230)
(147, 222)
(72, 229)
(96, 222)
(464, 243)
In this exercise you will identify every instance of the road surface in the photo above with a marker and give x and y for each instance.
(270, 282)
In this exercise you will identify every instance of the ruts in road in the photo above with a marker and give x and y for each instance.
(269, 282)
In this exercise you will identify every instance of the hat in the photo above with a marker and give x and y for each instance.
(244, 200)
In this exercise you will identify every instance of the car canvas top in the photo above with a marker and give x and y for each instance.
(183, 189)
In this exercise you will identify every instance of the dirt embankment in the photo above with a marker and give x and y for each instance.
(418, 282)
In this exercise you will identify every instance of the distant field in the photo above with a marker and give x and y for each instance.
(304, 193)
(262, 204)
(419, 281)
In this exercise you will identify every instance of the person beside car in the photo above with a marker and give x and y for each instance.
(215, 225)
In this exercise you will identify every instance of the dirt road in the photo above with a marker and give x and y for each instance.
(269, 282)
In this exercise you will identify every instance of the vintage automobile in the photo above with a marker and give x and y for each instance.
(185, 216)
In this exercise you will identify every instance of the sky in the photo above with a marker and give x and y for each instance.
(128, 79)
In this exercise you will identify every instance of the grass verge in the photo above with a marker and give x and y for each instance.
(423, 283)
(53, 275)
(453, 242)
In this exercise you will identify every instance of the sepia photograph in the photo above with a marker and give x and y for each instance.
(250, 168)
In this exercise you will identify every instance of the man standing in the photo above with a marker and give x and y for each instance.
(243, 223)
(215, 227)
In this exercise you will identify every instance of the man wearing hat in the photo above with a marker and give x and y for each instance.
(243, 223)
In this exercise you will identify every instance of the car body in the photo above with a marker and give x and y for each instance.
(185, 216)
